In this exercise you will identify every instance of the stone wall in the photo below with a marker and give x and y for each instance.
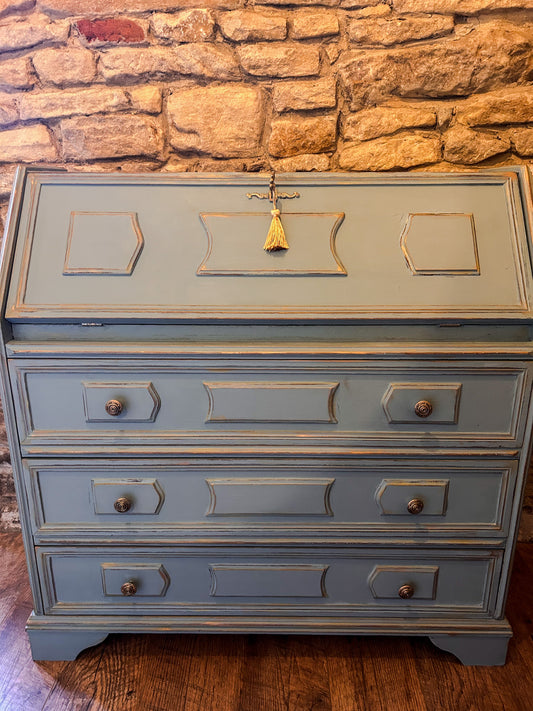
(248, 85)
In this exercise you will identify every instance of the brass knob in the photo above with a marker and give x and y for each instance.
(406, 591)
(423, 408)
(113, 407)
(122, 504)
(128, 589)
(415, 506)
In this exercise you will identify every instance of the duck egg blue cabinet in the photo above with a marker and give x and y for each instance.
(326, 439)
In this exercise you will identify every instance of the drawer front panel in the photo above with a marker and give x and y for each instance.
(301, 499)
(164, 247)
(254, 402)
(246, 402)
(157, 581)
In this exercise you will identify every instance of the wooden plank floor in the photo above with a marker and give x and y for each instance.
(258, 673)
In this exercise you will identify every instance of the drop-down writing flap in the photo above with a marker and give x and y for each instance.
(190, 247)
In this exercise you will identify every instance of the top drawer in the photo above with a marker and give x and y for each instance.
(177, 248)
(252, 401)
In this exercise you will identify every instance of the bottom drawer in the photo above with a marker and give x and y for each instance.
(292, 582)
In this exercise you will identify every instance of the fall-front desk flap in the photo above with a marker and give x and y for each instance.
(310, 246)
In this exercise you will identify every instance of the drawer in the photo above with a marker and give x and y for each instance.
(306, 499)
(257, 401)
(239, 581)
(163, 248)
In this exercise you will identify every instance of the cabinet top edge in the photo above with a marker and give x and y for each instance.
(56, 175)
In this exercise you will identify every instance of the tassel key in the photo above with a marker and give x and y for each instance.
(276, 239)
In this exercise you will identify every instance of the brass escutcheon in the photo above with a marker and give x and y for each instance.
(406, 591)
(113, 407)
(423, 408)
(128, 589)
(415, 506)
(122, 504)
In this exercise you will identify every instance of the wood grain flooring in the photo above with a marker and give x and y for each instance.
(256, 672)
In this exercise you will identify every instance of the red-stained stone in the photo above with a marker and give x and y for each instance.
(111, 30)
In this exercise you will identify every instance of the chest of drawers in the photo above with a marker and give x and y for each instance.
(210, 437)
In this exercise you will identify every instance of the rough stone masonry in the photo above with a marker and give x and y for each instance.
(249, 85)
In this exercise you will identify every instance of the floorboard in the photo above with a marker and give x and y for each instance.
(256, 672)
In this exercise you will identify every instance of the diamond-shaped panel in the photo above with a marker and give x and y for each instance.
(440, 243)
(103, 243)
(145, 496)
(400, 399)
(150, 579)
(385, 581)
(140, 402)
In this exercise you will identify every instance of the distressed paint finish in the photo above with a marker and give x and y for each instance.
(354, 407)
(200, 581)
(337, 499)
(364, 273)
(268, 442)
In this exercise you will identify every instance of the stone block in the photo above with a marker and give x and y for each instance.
(30, 144)
(293, 135)
(305, 162)
(147, 99)
(332, 51)
(130, 63)
(8, 109)
(114, 136)
(510, 105)
(194, 25)
(279, 59)
(54, 104)
(212, 165)
(64, 8)
(214, 61)
(65, 67)
(238, 127)
(16, 74)
(522, 140)
(304, 95)
(306, 25)
(111, 30)
(392, 152)
(124, 165)
(21, 32)
(396, 30)
(492, 55)
(306, 3)
(384, 120)
(8, 7)
(360, 5)
(463, 145)
(372, 11)
(250, 26)
(460, 7)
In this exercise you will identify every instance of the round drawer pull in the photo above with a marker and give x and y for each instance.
(128, 589)
(122, 504)
(113, 407)
(406, 591)
(415, 506)
(423, 408)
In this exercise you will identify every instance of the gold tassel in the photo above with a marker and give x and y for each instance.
(276, 236)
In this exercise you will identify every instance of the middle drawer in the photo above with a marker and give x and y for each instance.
(260, 401)
(73, 500)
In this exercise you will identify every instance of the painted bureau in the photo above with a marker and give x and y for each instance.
(210, 437)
